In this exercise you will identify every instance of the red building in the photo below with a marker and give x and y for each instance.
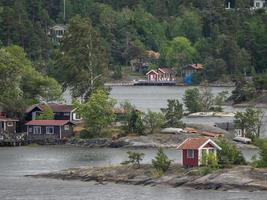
(192, 150)
(161, 74)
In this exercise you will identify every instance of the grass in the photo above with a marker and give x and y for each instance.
(33, 145)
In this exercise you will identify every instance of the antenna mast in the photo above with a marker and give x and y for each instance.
(64, 15)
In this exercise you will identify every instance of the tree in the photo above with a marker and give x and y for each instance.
(214, 69)
(153, 120)
(229, 155)
(134, 158)
(135, 122)
(97, 111)
(207, 98)
(20, 84)
(179, 52)
(249, 122)
(173, 113)
(82, 62)
(161, 161)
(47, 114)
(192, 100)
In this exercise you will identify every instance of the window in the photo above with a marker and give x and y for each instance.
(66, 114)
(66, 127)
(50, 130)
(76, 116)
(37, 130)
(9, 123)
(258, 4)
(190, 153)
(211, 150)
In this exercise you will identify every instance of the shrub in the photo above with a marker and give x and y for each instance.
(192, 100)
(134, 158)
(161, 161)
(262, 162)
(86, 134)
(210, 160)
(229, 155)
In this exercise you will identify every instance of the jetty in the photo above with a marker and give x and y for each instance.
(12, 140)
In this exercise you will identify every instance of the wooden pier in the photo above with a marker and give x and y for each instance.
(14, 140)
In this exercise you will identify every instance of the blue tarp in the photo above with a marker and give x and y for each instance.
(188, 80)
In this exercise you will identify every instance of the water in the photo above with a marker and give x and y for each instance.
(155, 97)
(20, 161)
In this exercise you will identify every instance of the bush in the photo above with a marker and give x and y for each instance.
(262, 162)
(196, 78)
(86, 134)
(229, 155)
(210, 160)
(161, 161)
(192, 100)
(134, 158)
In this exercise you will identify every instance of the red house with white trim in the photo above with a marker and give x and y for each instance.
(192, 150)
(161, 74)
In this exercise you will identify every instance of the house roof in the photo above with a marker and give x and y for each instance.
(54, 106)
(4, 119)
(48, 122)
(197, 143)
(166, 70)
(151, 72)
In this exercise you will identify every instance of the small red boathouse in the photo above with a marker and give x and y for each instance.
(192, 150)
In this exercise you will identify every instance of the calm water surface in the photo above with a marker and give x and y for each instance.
(155, 97)
(20, 161)
(17, 162)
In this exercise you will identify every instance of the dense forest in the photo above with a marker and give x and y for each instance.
(104, 35)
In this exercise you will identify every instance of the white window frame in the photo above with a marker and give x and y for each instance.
(187, 151)
(10, 124)
(74, 115)
(50, 128)
(66, 127)
(39, 128)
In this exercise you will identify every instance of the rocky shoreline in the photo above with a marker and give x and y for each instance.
(236, 178)
(149, 141)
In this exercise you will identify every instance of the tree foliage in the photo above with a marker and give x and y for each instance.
(47, 114)
(97, 111)
(229, 155)
(161, 161)
(154, 120)
(134, 158)
(192, 100)
(83, 60)
(249, 122)
(20, 84)
(173, 113)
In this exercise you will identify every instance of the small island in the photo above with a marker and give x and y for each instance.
(203, 169)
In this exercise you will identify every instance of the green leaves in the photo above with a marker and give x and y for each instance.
(179, 52)
(134, 158)
(84, 61)
(97, 111)
(229, 155)
(47, 114)
(20, 84)
(173, 113)
(249, 122)
(161, 161)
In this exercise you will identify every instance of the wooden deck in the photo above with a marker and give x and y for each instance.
(12, 140)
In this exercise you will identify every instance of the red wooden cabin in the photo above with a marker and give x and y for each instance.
(192, 150)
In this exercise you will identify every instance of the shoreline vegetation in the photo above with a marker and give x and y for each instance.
(235, 178)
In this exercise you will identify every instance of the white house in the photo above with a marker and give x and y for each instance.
(259, 4)
(57, 32)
